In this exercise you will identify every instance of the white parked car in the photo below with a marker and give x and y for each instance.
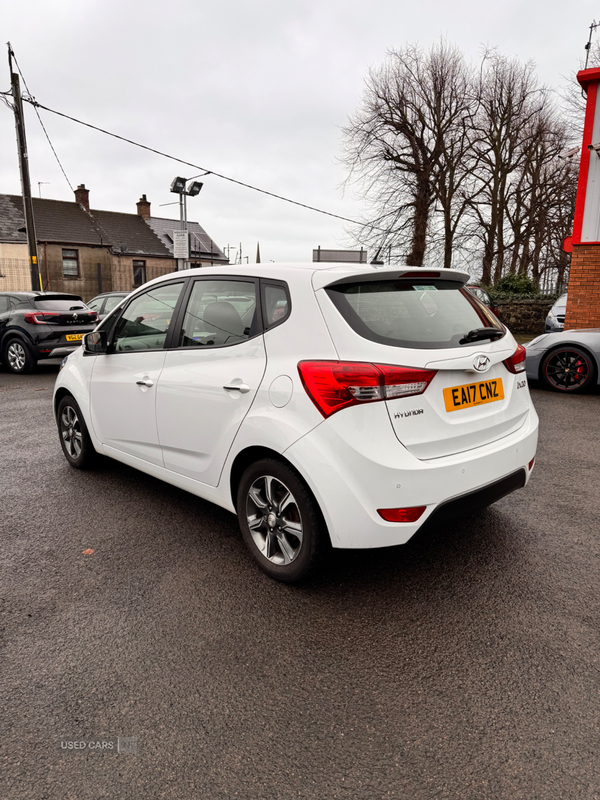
(340, 405)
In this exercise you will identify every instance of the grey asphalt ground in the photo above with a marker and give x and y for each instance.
(465, 664)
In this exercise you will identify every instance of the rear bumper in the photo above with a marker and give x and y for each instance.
(471, 502)
(351, 477)
(58, 352)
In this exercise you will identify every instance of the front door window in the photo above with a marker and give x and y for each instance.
(145, 322)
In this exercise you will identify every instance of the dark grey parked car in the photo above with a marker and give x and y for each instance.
(567, 361)
(104, 303)
(555, 321)
(38, 325)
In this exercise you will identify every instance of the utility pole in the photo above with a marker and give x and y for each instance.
(34, 268)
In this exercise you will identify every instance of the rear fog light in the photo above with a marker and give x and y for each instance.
(401, 514)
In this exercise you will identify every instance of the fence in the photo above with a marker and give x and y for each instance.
(554, 280)
(14, 275)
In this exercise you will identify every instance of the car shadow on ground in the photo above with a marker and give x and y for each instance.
(430, 557)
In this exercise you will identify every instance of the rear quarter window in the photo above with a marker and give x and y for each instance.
(423, 314)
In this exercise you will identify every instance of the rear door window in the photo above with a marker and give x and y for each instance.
(423, 314)
(220, 313)
(96, 305)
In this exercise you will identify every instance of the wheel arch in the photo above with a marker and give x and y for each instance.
(590, 353)
(60, 393)
(14, 333)
(243, 460)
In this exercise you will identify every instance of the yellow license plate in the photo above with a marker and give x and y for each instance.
(74, 337)
(473, 394)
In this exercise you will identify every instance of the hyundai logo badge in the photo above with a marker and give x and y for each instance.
(481, 363)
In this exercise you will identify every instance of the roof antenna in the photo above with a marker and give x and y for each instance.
(375, 262)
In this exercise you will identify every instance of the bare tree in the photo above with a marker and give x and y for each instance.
(510, 102)
(408, 146)
(451, 161)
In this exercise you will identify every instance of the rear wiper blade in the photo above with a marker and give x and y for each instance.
(481, 333)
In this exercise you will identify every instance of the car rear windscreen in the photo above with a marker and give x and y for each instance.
(45, 304)
(424, 314)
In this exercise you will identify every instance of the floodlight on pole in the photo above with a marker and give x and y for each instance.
(194, 188)
(178, 186)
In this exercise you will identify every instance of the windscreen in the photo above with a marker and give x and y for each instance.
(424, 314)
(68, 304)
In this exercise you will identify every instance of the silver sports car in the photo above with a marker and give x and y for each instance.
(567, 361)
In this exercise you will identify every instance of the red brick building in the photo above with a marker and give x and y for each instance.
(583, 304)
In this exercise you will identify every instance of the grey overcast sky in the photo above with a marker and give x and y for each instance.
(254, 89)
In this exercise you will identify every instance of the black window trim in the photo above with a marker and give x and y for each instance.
(181, 312)
(264, 282)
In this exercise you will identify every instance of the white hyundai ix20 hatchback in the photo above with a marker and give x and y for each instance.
(325, 405)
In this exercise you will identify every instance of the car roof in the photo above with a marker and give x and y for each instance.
(38, 294)
(321, 273)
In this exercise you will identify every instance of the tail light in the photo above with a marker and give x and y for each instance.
(41, 317)
(46, 317)
(333, 385)
(516, 363)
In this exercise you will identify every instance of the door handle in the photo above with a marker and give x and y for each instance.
(237, 387)
(146, 382)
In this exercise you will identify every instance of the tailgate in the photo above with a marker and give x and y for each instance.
(459, 411)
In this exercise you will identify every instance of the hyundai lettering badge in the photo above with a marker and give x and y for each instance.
(481, 363)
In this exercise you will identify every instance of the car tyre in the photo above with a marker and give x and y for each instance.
(280, 521)
(74, 437)
(568, 369)
(18, 357)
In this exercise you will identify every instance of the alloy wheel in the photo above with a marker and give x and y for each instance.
(16, 356)
(70, 430)
(567, 370)
(274, 520)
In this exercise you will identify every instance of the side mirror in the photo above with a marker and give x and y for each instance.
(95, 342)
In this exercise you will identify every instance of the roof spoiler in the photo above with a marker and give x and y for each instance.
(332, 277)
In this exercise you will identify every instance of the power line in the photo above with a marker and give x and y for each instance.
(37, 105)
(40, 120)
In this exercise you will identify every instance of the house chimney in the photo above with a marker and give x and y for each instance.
(82, 196)
(143, 207)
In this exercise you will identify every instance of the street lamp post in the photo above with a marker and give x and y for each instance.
(179, 186)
